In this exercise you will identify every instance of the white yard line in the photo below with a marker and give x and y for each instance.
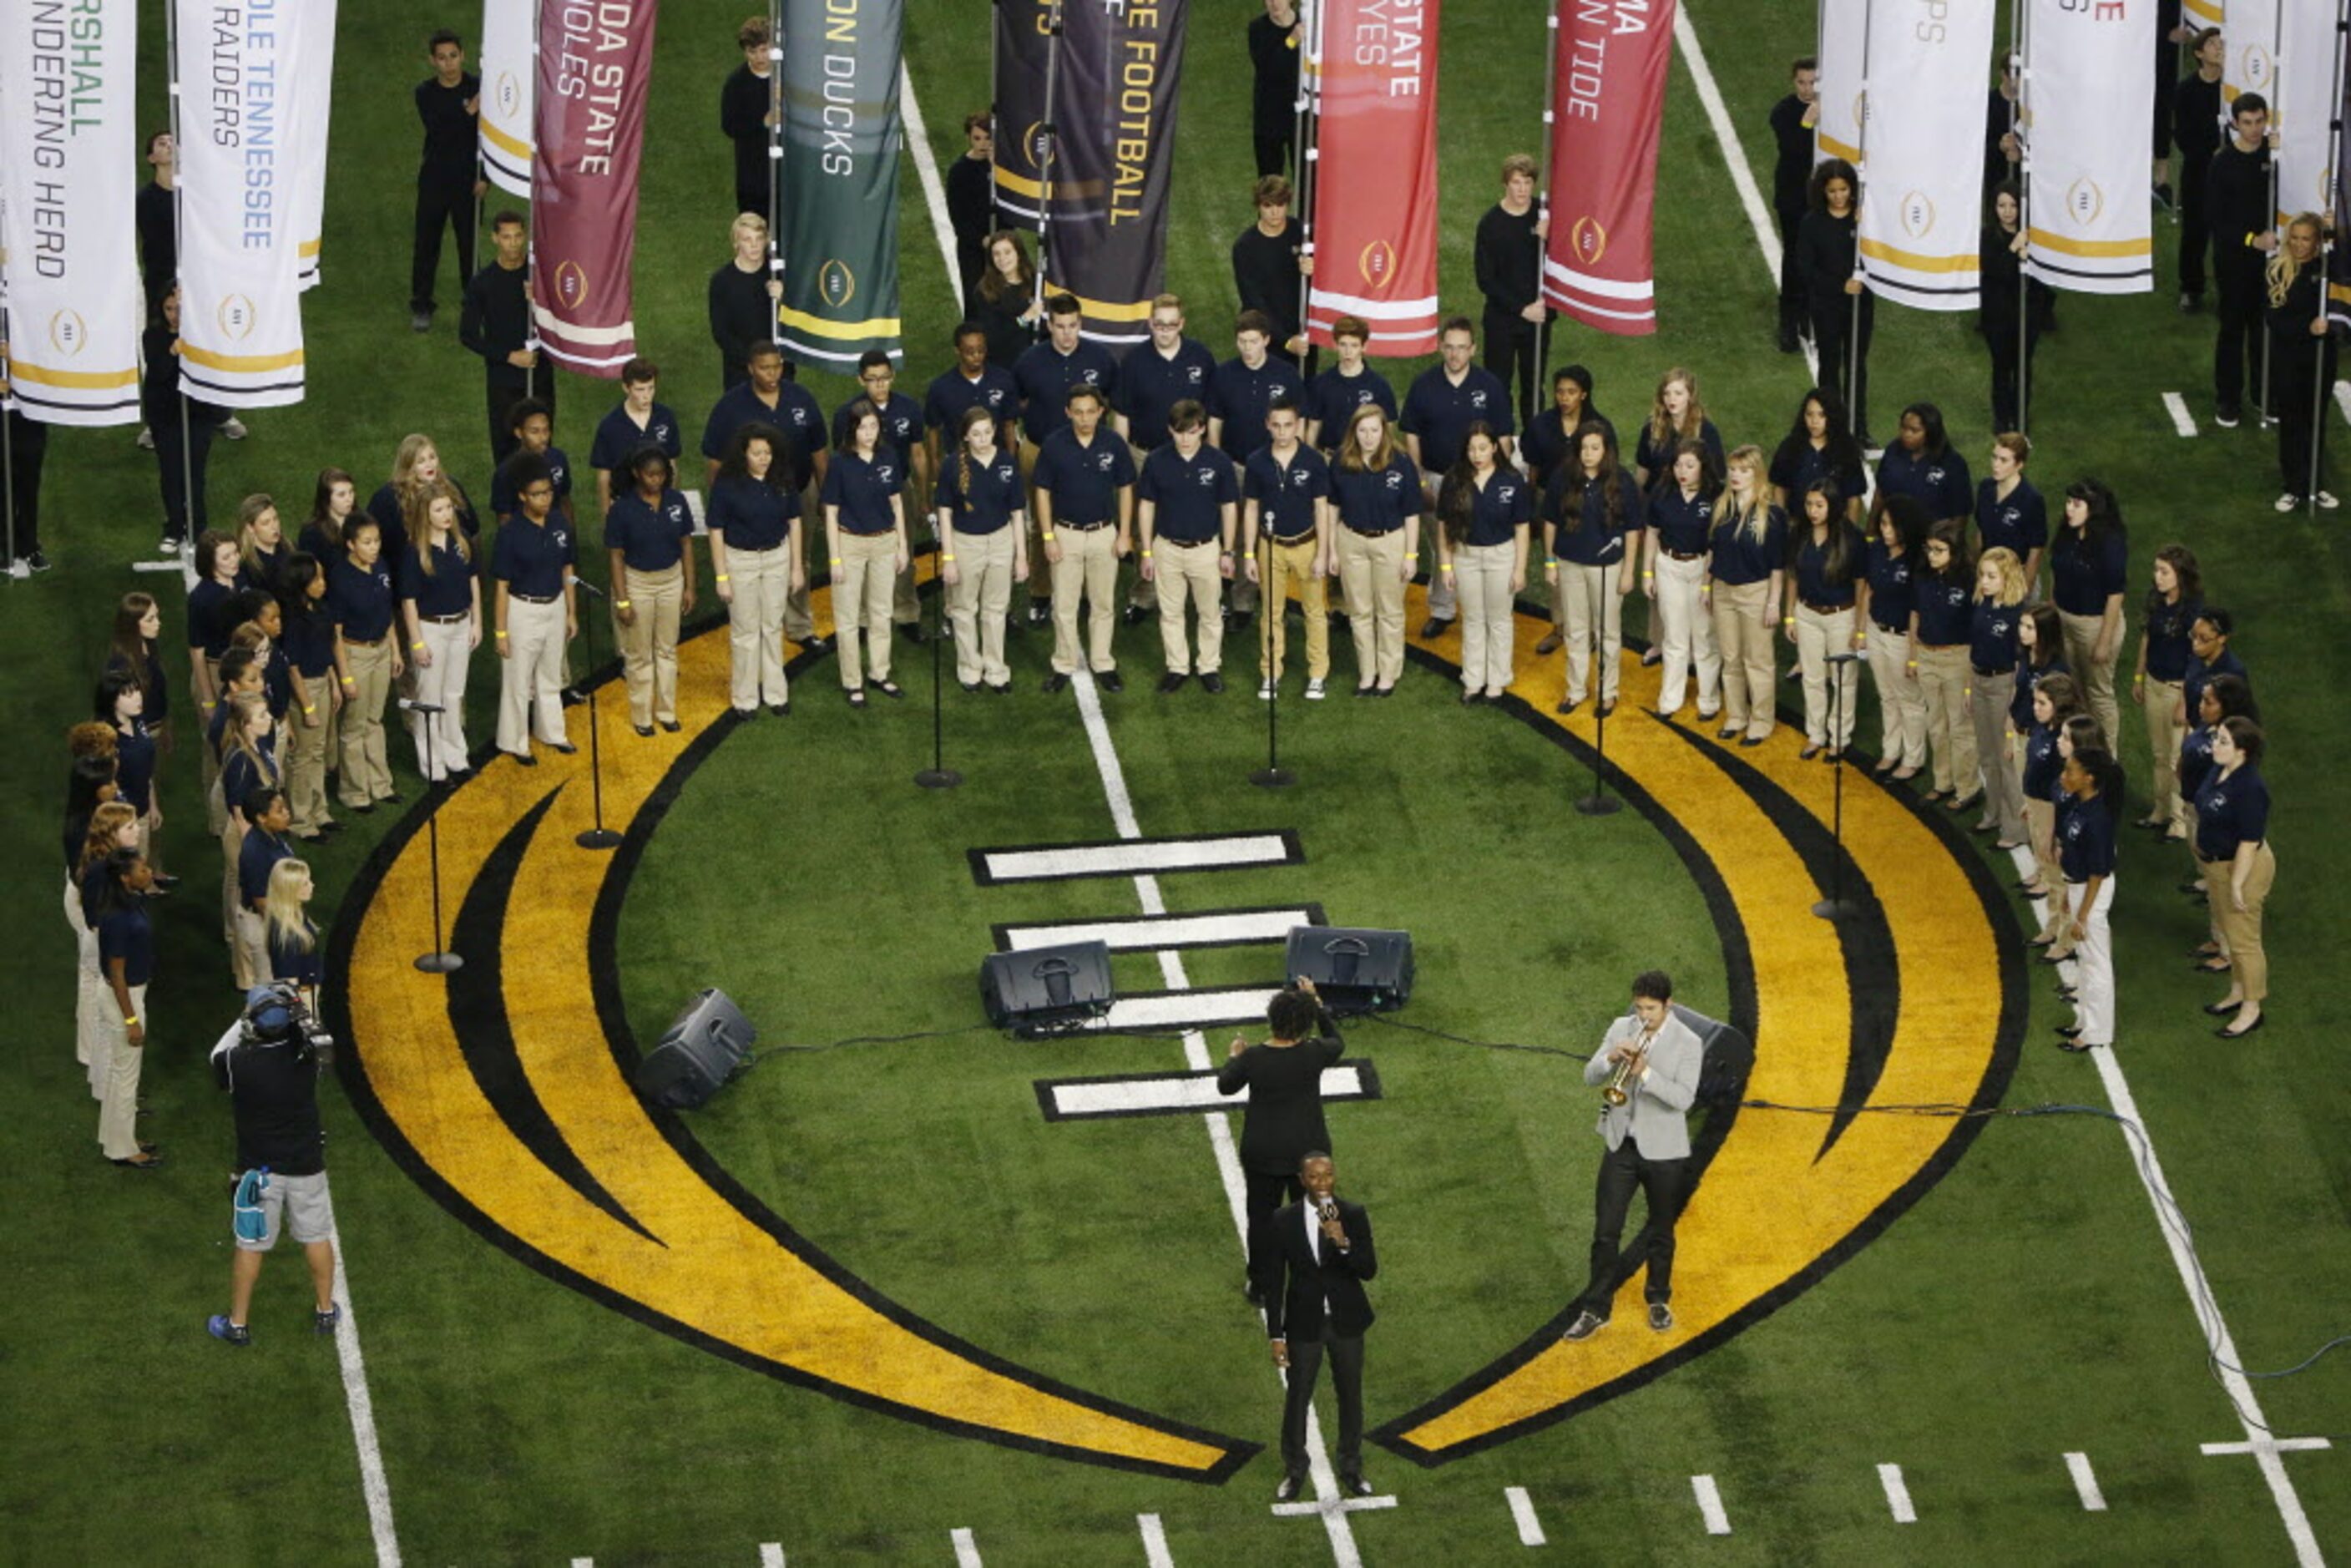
(1522, 1514)
(1154, 1541)
(372, 1484)
(1155, 931)
(1710, 1505)
(1187, 1092)
(1127, 859)
(2086, 1482)
(966, 1549)
(2342, 399)
(2184, 422)
(771, 1554)
(1897, 1494)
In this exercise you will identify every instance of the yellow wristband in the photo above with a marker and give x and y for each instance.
(1445, 566)
(836, 560)
(1914, 664)
(947, 557)
(724, 577)
(416, 647)
(1787, 621)
(620, 605)
(1648, 577)
(500, 633)
(310, 709)
(1146, 555)
(1048, 536)
(129, 1020)
(351, 680)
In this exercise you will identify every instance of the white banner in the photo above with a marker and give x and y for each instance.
(1844, 32)
(1922, 198)
(2302, 85)
(2202, 13)
(2088, 75)
(312, 93)
(69, 164)
(508, 76)
(240, 179)
(2250, 42)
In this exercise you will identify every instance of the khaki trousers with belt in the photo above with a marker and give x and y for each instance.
(861, 591)
(2096, 676)
(759, 582)
(2240, 935)
(531, 683)
(1943, 676)
(978, 601)
(1687, 635)
(1481, 575)
(1595, 615)
(1370, 573)
(1830, 690)
(2158, 702)
(308, 738)
(1742, 630)
(1188, 573)
(649, 646)
(1089, 565)
(1286, 565)
(367, 772)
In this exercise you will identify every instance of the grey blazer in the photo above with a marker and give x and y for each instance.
(1655, 1116)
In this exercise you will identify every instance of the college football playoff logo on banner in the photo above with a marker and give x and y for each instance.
(1378, 266)
(836, 283)
(1590, 240)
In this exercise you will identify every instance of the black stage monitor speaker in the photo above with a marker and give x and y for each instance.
(1043, 990)
(1357, 971)
(709, 1044)
(1729, 1057)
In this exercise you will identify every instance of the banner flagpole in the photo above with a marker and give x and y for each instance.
(1852, 419)
(179, 253)
(2020, 32)
(2326, 243)
(775, 162)
(1051, 132)
(530, 241)
(1542, 213)
(2277, 34)
(1303, 110)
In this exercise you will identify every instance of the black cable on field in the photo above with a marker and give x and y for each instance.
(1384, 1021)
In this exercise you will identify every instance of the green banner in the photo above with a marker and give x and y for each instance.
(839, 220)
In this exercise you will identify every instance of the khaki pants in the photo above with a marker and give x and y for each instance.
(1481, 577)
(118, 1103)
(2096, 678)
(1188, 572)
(1830, 690)
(1685, 637)
(232, 844)
(1371, 574)
(207, 757)
(1943, 676)
(905, 604)
(1285, 565)
(1901, 704)
(306, 745)
(759, 580)
(531, 683)
(367, 772)
(2094, 1008)
(649, 648)
(2240, 935)
(1595, 611)
(88, 1041)
(2041, 826)
(441, 684)
(2003, 785)
(861, 601)
(252, 950)
(1089, 565)
(800, 619)
(1443, 604)
(1742, 630)
(2158, 702)
(977, 603)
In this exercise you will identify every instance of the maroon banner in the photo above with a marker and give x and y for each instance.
(1370, 76)
(595, 57)
(1608, 102)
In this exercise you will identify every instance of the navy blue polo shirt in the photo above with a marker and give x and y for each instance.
(2199, 674)
(1991, 636)
(2230, 810)
(1797, 464)
(1044, 376)
(2020, 523)
(504, 502)
(240, 775)
(1815, 585)
(310, 640)
(1594, 539)
(289, 961)
(448, 590)
(2167, 648)
(1332, 398)
(209, 607)
(1656, 458)
(2085, 841)
(392, 526)
(259, 852)
(1500, 507)
(532, 558)
(1682, 522)
(1893, 594)
(985, 503)
(1739, 558)
(277, 681)
(2084, 576)
(902, 422)
(618, 437)
(862, 490)
(750, 515)
(134, 766)
(2020, 702)
(1084, 480)
(266, 569)
(1188, 495)
(1286, 494)
(149, 674)
(796, 413)
(124, 933)
(1440, 413)
(1545, 447)
(1947, 613)
(1376, 502)
(953, 394)
(1239, 395)
(360, 602)
(2195, 757)
(2042, 763)
(1942, 485)
(650, 535)
(1150, 384)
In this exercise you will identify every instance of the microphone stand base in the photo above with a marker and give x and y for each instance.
(1273, 777)
(440, 963)
(938, 778)
(597, 839)
(1835, 908)
(1598, 805)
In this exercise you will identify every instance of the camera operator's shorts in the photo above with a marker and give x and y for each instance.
(309, 1213)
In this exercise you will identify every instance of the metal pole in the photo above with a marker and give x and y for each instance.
(2277, 34)
(2020, 28)
(531, 245)
(1301, 153)
(180, 253)
(938, 775)
(1273, 775)
(775, 162)
(2327, 255)
(1542, 215)
(1050, 161)
(1852, 416)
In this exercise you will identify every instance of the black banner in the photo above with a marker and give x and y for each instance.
(1023, 42)
(1114, 108)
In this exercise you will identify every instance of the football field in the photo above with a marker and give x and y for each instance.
(911, 1291)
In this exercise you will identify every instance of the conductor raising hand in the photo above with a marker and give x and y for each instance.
(1284, 1119)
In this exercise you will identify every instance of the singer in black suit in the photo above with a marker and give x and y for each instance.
(1313, 1258)
(1284, 1120)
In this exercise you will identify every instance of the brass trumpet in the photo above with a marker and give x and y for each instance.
(1618, 1089)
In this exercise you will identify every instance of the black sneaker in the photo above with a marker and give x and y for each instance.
(913, 632)
(1661, 1317)
(228, 1333)
(1290, 1487)
(1134, 614)
(1212, 683)
(36, 561)
(1432, 629)
(1354, 1486)
(1055, 682)
(573, 696)
(1172, 680)
(327, 1322)
(813, 644)
(1041, 612)
(1585, 1325)
(1109, 680)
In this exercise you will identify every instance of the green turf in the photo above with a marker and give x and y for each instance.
(2025, 1308)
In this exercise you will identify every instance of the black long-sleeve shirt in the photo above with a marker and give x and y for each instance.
(495, 321)
(1792, 171)
(743, 105)
(1284, 1121)
(2000, 117)
(1265, 275)
(2196, 122)
(2237, 206)
(2290, 339)
(450, 148)
(2004, 286)
(159, 238)
(741, 315)
(1825, 254)
(1510, 260)
(1273, 62)
(971, 199)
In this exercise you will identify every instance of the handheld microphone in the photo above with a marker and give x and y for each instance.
(408, 707)
(1330, 1208)
(573, 579)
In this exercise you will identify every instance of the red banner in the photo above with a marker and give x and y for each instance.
(1370, 72)
(1608, 102)
(595, 57)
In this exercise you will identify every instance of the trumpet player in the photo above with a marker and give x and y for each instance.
(1647, 1069)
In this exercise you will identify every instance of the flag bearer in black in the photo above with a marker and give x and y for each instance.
(1188, 507)
(745, 110)
(2196, 127)
(1509, 257)
(1276, 40)
(1793, 120)
(2302, 363)
(1834, 295)
(971, 200)
(496, 324)
(743, 296)
(2237, 206)
(448, 176)
(1268, 266)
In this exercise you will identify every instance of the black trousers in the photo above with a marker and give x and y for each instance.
(2009, 378)
(2300, 416)
(439, 203)
(1346, 1353)
(1832, 335)
(2195, 231)
(500, 399)
(1265, 1193)
(28, 451)
(1273, 150)
(2240, 309)
(1663, 1184)
(1792, 279)
(1510, 345)
(185, 512)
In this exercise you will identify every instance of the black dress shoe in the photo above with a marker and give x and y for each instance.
(1212, 683)
(1753, 740)
(2241, 1033)
(1382, 691)
(564, 748)
(1287, 1491)
(1109, 680)
(2222, 1009)
(1788, 344)
(1055, 683)
(1433, 628)
(1003, 691)
(1240, 619)
(392, 800)
(1354, 1486)
(1607, 709)
(1367, 691)
(913, 632)
(972, 687)
(889, 689)
(815, 644)
(646, 731)
(1566, 705)
(1172, 682)
(746, 714)
(1134, 614)
(782, 709)
(669, 725)
(573, 696)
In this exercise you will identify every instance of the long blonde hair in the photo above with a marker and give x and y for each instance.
(249, 512)
(2003, 560)
(1662, 429)
(106, 821)
(289, 886)
(1756, 516)
(1351, 451)
(416, 511)
(2282, 268)
(241, 709)
(403, 461)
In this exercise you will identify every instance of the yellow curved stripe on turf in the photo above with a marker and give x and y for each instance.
(716, 1271)
(1770, 1207)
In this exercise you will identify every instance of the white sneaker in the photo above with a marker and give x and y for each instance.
(2327, 501)
(235, 429)
(146, 439)
(1265, 690)
(1314, 691)
(168, 546)
(2288, 502)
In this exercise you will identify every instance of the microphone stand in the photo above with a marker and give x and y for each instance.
(1833, 907)
(938, 775)
(1273, 775)
(1600, 803)
(440, 961)
(598, 836)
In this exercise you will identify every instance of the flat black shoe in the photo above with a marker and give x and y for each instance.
(2222, 1009)
(856, 698)
(522, 759)
(1382, 691)
(1288, 1490)
(670, 725)
(913, 632)
(1753, 740)
(573, 696)
(1354, 1486)
(1212, 683)
(366, 811)
(1470, 698)
(746, 714)
(2050, 957)
(139, 1163)
(782, 709)
(1055, 683)
(1133, 616)
(1432, 629)
(1566, 705)
(392, 800)
(1172, 682)
(1726, 733)
(646, 731)
(1110, 681)
(1003, 691)
(816, 645)
(2242, 1033)
(889, 689)
(1367, 691)
(564, 748)
(972, 687)
(1240, 619)
(2075, 1045)
(2070, 1030)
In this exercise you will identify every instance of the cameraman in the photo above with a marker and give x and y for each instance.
(269, 1063)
